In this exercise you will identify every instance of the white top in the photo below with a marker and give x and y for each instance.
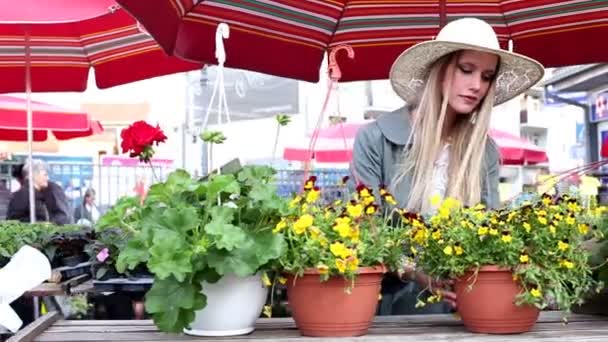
(440, 174)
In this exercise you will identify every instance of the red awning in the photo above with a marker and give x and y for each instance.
(64, 123)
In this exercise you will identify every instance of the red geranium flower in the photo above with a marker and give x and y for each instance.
(139, 138)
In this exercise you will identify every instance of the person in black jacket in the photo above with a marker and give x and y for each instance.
(51, 202)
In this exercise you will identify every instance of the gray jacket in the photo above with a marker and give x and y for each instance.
(379, 146)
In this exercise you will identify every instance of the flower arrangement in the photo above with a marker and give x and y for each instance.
(540, 241)
(339, 238)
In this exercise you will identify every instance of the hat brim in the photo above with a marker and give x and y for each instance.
(516, 73)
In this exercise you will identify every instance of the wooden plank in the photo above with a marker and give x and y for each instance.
(385, 328)
(46, 289)
(32, 330)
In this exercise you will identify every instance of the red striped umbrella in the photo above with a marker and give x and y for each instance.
(289, 37)
(64, 40)
(62, 122)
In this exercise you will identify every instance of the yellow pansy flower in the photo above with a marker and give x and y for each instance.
(535, 292)
(342, 220)
(435, 200)
(313, 195)
(368, 200)
(370, 209)
(436, 235)
(567, 264)
(354, 210)
(280, 226)
(338, 249)
(355, 234)
(302, 223)
(341, 265)
(390, 199)
(481, 231)
(493, 231)
(562, 246)
(448, 250)
(315, 232)
(458, 250)
(343, 229)
(506, 238)
(570, 220)
(266, 280)
(527, 227)
(542, 220)
(352, 263)
(524, 258)
(282, 280)
(295, 201)
(323, 269)
(552, 229)
(268, 311)
(583, 228)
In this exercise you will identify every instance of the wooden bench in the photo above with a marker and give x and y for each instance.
(418, 328)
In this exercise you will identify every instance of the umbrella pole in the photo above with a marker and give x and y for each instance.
(30, 133)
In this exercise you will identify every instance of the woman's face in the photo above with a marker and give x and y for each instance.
(473, 72)
(90, 199)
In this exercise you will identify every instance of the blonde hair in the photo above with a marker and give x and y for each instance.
(469, 137)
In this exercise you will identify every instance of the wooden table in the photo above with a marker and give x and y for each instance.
(419, 328)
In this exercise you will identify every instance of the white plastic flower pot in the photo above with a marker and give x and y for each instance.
(233, 306)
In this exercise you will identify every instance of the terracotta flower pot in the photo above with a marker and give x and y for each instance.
(490, 305)
(324, 309)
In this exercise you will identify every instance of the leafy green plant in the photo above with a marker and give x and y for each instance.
(15, 234)
(192, 231)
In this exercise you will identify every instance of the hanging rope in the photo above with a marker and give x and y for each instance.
(334, 76)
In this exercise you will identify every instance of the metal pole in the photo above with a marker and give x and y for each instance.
(30, 133)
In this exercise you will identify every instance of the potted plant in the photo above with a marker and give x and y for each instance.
(509, 263)
(207, 243)
(335, 258)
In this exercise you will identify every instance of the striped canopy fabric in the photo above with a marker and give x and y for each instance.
(289, 37)
(65, 40)
(64, 123)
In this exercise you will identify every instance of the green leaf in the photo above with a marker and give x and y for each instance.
(101, 272)
(254, 174)
(225, 263)
(135, 253)
(263, 193)
(213, 137)
(115, 217)
(227, 236)
(283, 119)
(266, 246)
(170, 255)
(173, 303)
(222, 184)
(208, 275)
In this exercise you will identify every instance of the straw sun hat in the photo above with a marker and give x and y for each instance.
(516, 72)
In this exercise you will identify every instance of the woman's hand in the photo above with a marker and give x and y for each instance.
(440, 288)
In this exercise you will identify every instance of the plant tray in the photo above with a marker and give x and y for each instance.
(69, 272)
(123, 284)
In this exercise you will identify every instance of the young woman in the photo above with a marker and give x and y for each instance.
(438, 144)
